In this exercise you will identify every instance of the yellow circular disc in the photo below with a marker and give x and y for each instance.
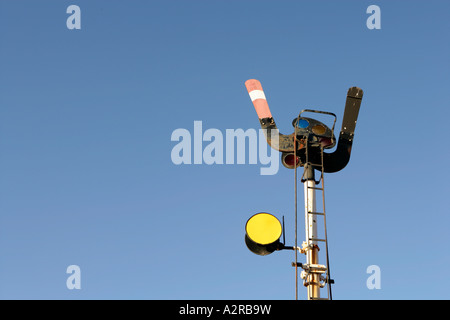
(263, 228)
(319, 129)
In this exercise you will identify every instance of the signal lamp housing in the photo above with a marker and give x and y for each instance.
(262, 234)
(290, 160)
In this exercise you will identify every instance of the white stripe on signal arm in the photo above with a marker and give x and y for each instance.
(257, 94)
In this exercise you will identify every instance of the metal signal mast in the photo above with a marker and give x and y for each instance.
(304, 148)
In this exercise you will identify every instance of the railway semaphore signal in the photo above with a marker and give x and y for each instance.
(305, 147)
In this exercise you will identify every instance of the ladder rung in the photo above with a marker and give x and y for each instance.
(315, 164)
(319, 213)
(316, 239)
(315, 188)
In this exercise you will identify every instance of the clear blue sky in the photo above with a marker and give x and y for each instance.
(86, 117)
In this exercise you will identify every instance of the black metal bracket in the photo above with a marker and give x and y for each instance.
(318, 111)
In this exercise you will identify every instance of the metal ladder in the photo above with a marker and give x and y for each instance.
(314, 273)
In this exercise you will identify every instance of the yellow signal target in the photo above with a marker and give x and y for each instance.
(263, 232)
